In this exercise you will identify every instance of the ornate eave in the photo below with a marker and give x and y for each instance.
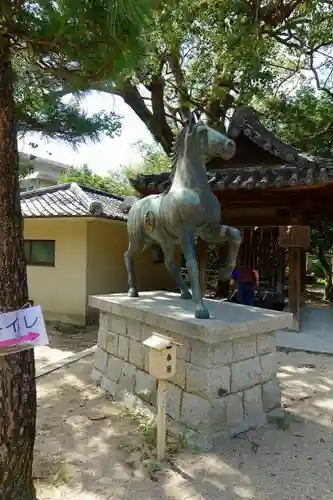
(261, 161)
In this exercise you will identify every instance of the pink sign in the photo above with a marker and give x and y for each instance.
(22, 329)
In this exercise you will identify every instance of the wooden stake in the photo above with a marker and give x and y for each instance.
(162, 389)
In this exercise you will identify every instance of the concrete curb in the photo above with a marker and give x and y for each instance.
(287, 349)
(64, 362)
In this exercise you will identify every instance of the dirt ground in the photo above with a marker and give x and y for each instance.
(88, 449)
(65, 340)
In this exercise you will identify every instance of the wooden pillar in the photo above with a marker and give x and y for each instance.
(296, 239)
(294, 284)
(302, 275)
(202, 256)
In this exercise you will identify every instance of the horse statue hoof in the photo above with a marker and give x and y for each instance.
(201, 313)
(132, 293)
(186, 295)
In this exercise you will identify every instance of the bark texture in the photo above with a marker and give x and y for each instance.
(17, 371)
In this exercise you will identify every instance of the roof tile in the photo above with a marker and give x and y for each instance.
(71, 200)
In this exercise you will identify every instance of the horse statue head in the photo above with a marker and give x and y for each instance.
(207, 142)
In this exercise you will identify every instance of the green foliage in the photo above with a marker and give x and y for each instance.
(303, 120)
(114, 182)
(215, 55)
(154, 161)
(69, 46)
(321, 239)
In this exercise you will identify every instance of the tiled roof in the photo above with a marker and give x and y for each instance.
(261, 161)
(71, 200)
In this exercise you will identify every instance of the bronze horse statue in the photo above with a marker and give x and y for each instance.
(187, 209)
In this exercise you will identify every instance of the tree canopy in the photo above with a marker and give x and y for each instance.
(85, 42)
(153, 160)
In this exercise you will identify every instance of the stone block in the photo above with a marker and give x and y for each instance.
(174, 399)
(146, 358)
(271, 395)
(208, 383)
(102, 338)
(253, 408)
(109, 386)
(112, 343)
(266, 343)
(179, 377)
(137, 354)
(235, 409)
(195, 410)
(245, 348)
(134, 329)
(101, 360)
(115, 366)
(218, 413)
(123, 347)
(147, 331)
(245, 374)
(96, 376)
(104, 320)
(209, 356)
(128, 376)
(183, 350)
(269, 366)
(145, 387)
(118, 324)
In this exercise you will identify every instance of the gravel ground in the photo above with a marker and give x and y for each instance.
(65, 340)
(88, 449)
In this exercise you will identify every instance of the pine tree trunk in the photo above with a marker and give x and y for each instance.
(17, 371)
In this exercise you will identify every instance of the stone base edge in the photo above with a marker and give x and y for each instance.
(193, 438)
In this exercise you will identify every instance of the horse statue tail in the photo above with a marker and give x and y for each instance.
(127, 203)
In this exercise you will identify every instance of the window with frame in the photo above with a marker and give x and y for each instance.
(39, 252)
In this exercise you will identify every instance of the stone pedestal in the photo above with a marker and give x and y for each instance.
(226, 367)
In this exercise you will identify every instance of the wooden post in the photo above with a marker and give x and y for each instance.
(302, 275)
(294, 285)
(162, 390)
(202, 256)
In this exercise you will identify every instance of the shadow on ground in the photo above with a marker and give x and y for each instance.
(65, 340)
(87, 450)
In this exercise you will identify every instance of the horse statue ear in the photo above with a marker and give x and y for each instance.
(191, 121)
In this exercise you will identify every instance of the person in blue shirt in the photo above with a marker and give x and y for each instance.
(246, 280)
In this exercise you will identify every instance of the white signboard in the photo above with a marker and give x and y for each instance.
(23, 329)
